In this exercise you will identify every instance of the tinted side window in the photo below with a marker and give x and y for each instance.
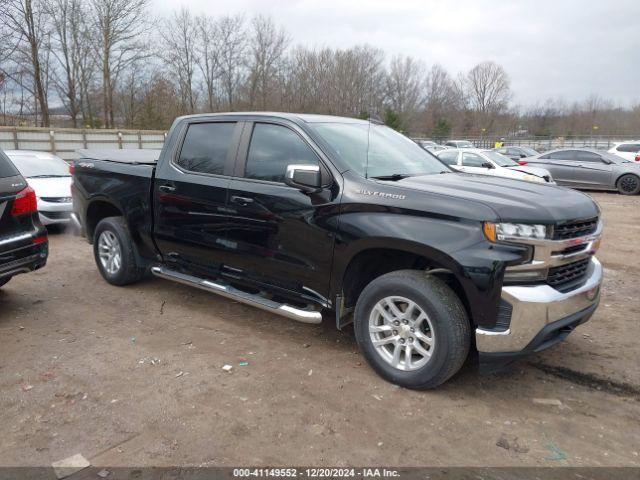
(206, 147)
(6, 167)
(272, 148)
(449, 158)
(588, 157)
(472, 160)
(628, 147)
(563, 155)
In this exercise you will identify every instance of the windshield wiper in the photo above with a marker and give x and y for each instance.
(49, 176)
(395, 176)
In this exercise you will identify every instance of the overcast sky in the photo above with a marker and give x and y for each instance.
(561, 48)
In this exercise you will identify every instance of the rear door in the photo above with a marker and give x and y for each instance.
(279, 236)
(562, 165)
(190, 196)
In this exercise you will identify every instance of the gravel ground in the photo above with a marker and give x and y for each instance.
(133, 377)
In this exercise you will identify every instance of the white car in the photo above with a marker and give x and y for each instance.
(49, 176)
(490, 162)
(627, 150)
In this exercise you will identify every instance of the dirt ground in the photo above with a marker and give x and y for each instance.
(133, 377)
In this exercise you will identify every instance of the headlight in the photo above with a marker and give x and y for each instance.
(533, 178)
(496, 232)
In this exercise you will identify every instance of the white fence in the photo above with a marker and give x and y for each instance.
(65, 141)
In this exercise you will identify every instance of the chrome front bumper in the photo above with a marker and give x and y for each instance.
(535, 307)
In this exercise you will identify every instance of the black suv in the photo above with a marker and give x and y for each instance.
(23, 239)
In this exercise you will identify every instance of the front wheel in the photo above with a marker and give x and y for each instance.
(412, 329)
(114, 252)
(629, 184)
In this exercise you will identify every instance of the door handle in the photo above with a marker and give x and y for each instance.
(241, 200)
(167, 188)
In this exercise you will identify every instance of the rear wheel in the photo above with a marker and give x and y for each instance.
(3, 281)
(114, 252)
(412, 329)
(629, 184)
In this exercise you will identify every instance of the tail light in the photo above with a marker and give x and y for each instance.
(39, 240)
(638, 157)
(25, 202)
(522, 162)
(71, 169)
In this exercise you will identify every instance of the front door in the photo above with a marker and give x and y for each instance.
(190, 197)
(592, 171)
(474, 163)
(279, 236)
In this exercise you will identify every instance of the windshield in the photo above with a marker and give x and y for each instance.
(463, 144)
(31, 166)
(530, 152)
(500, 159)
(390, 153)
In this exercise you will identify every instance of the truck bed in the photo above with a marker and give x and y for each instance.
(144, 157)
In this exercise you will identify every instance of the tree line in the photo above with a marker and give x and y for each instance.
(111, 63)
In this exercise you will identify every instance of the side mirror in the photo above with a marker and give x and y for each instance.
(487, 165)
(307, 178)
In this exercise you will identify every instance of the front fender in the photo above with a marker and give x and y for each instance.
(455, 244)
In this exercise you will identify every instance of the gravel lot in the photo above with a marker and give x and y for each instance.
(133, 376)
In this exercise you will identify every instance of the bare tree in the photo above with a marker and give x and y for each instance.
(488, 90)
(232, 55)
(119, 25)
(178, 50)
(70, 49)
(24, 25)
(405, 86)
(267, 47)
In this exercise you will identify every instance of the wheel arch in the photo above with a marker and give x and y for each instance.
(376, 257)
(98, 210)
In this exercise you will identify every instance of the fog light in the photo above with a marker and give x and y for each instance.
(592, 294)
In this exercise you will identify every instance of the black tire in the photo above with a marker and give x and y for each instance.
(129, 270)
(628, 184)
(3, 281)
(446, 314)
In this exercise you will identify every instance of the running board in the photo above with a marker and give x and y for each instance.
(301, 315)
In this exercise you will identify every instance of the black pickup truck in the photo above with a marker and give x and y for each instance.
(309, 216)
(23, 240)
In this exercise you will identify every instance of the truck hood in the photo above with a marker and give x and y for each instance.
(511, 200)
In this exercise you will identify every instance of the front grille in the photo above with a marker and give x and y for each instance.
(566, 277)
(56, 215)
(575, 229)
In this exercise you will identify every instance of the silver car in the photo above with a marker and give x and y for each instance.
(590, 169)
(49, 176)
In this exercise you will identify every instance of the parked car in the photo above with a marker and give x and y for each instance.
(459, 144)
(627, 150)
(49, 176)
(426, 144)
(490, 162)
(304, 214)
(436, 148)
(590, 169)
(23, 239)
(518, 153)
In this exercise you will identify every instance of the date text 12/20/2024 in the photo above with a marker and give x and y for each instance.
(316, 472)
